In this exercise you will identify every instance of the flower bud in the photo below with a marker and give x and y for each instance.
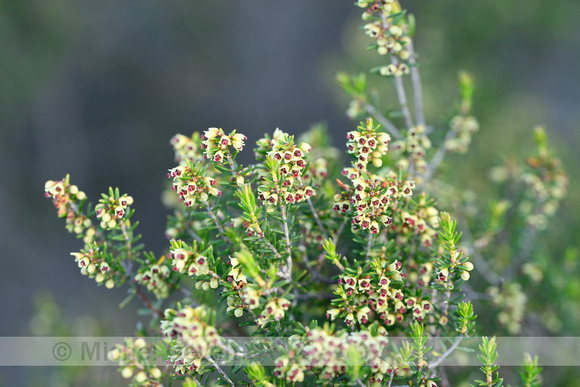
(141, 377)
(127, 372)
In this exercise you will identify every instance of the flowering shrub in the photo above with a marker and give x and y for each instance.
(328, 266)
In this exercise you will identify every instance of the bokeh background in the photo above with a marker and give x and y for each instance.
(96, 89)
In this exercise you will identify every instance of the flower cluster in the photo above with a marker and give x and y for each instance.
(316, 172)
(388, 29)
(274, 310)
(112, 208)
(546, 181)
(380, 292)
(67, 198)
(328, 354)
(191, 184)
(134, 358)
(93, 263)
(217, 144)
(412, 149)
(187, 259)
(511, 301)
(463, 127)
(396, 70)
(416, 218)
(155, 278)
(369, 198)
(367, 144)
(189, 336)
(285, 164)
(265, 144)
(420, 274)
(186, 148)
(248, 296)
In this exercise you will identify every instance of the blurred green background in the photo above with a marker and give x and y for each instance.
(96, 89)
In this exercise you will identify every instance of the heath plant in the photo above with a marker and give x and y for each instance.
(317, 266)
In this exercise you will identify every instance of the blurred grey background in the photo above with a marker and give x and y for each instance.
(97, 88)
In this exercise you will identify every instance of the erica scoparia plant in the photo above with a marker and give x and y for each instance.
(326, 265)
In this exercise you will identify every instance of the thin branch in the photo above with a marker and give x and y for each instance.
(391, 378)
(317, 296)
(194, 235)
(315, 271)
(369, 245)
(317, 218)
(244, 354)
(392, 129)
(399, 84)
(128, 244)
(262, 237)
(417, 87)
(480, 263)
(146, 302)
(320, 259)
(127, 239)
(314, 212)
(436, 363)
(471, 294)
(437, 158)
(231, 163)
(216, 221)
(360, 383)
(402, 94)
(288, 246)
(525, 246)
(218, 369)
